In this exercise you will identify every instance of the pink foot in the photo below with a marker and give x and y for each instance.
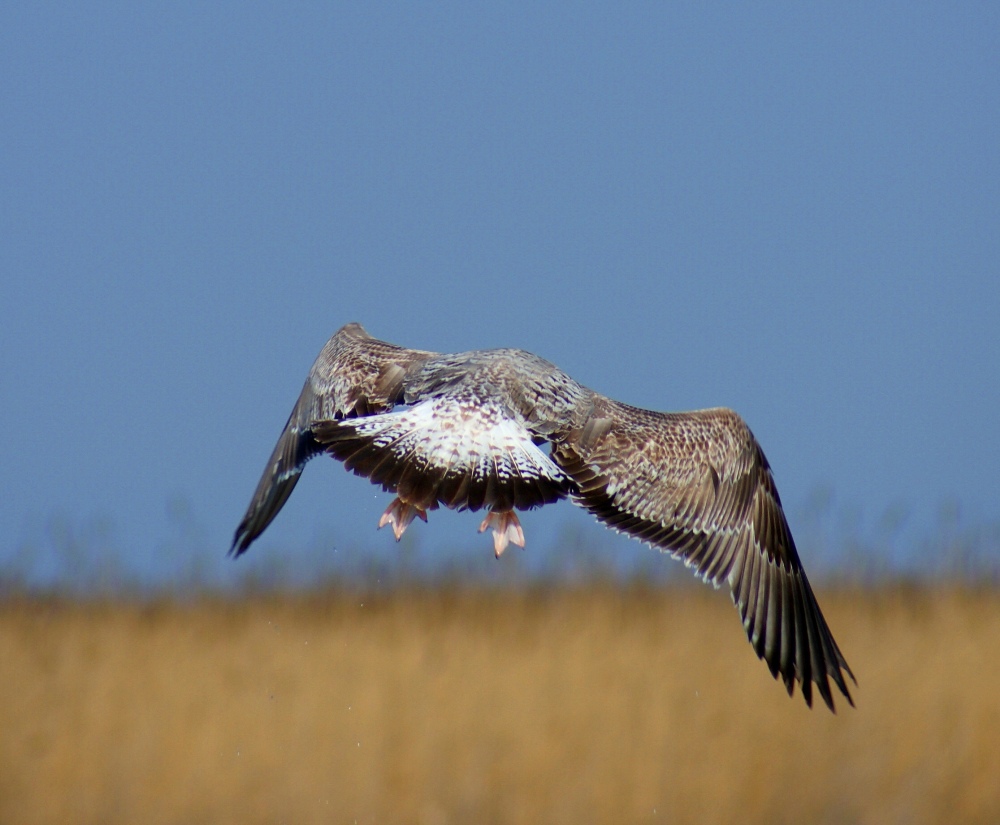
(506, 528)
(399, 515)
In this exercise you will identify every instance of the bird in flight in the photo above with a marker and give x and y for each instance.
(465, 431)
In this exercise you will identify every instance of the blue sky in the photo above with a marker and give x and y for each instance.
(789, 209)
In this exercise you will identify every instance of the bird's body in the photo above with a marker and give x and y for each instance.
(464, 431)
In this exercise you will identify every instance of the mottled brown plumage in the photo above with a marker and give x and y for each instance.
(462, 430)
(353, 375)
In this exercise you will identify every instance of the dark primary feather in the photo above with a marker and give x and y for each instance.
(460, 430)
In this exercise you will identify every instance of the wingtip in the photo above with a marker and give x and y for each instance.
(239, 545)
(829, 698)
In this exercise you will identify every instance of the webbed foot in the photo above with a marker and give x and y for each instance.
(399, 515)
(506, 528)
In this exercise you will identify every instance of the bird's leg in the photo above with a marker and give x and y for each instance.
(399, 514)
(506, 528)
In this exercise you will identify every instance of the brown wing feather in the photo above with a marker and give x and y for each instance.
(698, 485)
(353, 375)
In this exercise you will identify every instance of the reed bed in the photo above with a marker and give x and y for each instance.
(595, 705)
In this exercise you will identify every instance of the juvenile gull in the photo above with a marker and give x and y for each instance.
(464, 430)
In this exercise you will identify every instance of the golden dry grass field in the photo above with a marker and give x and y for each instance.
(591, 706)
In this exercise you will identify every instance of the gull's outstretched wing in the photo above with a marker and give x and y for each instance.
(698, 485)
(354, 375)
